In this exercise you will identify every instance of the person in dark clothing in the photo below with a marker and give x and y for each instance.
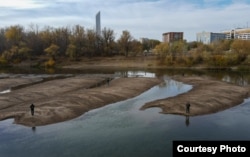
(32, 109)
(108, 81)
(188, 107)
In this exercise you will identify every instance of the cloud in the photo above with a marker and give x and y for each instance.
(143, 18)
(21, 4)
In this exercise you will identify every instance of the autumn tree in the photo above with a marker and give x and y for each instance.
(17, 53)
(242, 48)
(60, 37)
(221, 46)
(45, 37)
(52, 50)
(33, 40)
(3, 42)
(91, 41)
(107, 40)
(78, 38)
(16, 50)
(125, 42)
(162, 50)
(149, 44)
(154, 43)
(136, 47)
(72, 51)
(14, 34)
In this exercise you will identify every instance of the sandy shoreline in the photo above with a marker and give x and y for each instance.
(207, 96)
(64, 99)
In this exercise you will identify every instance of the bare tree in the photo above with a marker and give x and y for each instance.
(107, 41)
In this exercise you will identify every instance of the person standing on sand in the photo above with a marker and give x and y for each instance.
(108, 80)
(188, 107)
(32, 109)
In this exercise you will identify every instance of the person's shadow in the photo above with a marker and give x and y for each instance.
(33, 129)
(187, 122)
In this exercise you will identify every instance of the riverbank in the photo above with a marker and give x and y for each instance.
(64, 99)
(138, 62)
(207, 96)
(118, 62)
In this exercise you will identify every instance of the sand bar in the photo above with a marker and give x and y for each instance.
(207, 96)
(64, 99)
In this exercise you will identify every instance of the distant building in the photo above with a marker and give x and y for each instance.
(98, 23)
(209, 37)
(146, 45)
(238, 33)
(172, 36)
(144, 40)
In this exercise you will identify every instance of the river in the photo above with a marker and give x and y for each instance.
(122, 130)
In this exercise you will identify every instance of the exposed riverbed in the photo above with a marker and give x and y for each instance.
(122, 129)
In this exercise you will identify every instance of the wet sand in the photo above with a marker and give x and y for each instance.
(64, 99)
(207, 96)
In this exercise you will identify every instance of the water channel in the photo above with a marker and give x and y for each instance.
(122, 130)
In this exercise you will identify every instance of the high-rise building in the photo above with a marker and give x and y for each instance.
(98, 23)
(172, 36)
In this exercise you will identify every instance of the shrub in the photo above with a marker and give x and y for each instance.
(3, 62)
(50, 63)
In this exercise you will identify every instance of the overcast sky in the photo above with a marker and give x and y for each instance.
(142, 18)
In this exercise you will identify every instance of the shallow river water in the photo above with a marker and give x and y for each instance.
(122, 130)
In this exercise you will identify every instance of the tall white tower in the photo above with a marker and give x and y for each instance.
(98, 23)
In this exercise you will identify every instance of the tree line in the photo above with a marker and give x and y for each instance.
(221, 54)
(18, 44)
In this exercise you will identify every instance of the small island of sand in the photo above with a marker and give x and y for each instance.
(207, 96)
(64, 99)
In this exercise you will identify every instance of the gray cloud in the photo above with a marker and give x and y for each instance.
(143, 18)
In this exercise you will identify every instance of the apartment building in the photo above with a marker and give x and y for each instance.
(172, 36)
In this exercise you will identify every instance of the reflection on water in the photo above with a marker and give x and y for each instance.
(5, 91)
(239, 80)
(121, 129)
(187, 122)
(33, 129)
